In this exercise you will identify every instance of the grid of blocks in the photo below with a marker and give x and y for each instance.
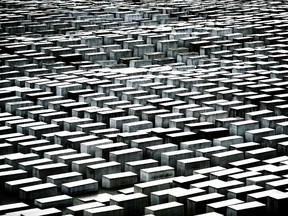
(148, 107)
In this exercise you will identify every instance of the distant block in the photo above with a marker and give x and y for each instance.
(119, 180)
(112, 210)
(58, 201)
(132, 204)
(80, 187)
(30, 193)
(156, 173)
(169, 209)
(253, 208)
(197, 205)
(187, 166)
